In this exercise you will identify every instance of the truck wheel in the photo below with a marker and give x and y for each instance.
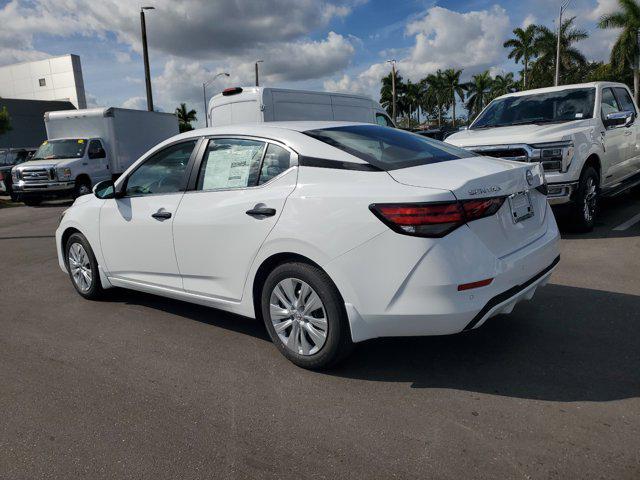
(83, 187)
(14, 196)
(305, 316)
(32, 201)
(585, 208)
(83, 267)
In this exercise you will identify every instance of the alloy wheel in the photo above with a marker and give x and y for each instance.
(80, 267)
(298, 316)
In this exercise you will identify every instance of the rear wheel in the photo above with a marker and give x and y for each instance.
(585, 208)
(305, 316)
(83, 267)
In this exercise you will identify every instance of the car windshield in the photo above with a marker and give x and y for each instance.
(52, 149)
(387, 148)
(552, 107)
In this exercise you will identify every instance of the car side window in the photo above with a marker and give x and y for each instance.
(163, 172)
(276, 160)
(230, 163)
(624, 99)
(95, 149)
(609, 103)
(383, 120)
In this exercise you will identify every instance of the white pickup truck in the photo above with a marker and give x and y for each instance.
(587, 137)
(85, 147)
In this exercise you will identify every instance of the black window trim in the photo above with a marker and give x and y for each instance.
(192, 186)
(615, 94)
(122, 185)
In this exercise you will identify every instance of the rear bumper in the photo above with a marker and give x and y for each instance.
(396, 285)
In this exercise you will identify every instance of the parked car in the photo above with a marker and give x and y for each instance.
(85, 147)
(261, 104)
(331, 232)
(437, 133)
(587, 137)
(8, 159)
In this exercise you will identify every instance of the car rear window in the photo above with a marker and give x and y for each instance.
(387, 148)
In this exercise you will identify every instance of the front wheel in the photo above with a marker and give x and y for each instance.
(83, 267)
(32, 201)
(585, 208)
(305, 316)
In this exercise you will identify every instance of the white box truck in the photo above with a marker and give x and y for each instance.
(84, 147)
(262, 104)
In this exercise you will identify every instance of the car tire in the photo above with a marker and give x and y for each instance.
(585, 207)
(32, 201)
(311, 331)
(82, 187)
(83, 267)
(14, 196)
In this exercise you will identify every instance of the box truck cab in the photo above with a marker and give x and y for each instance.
(262, 104)
(84, 147)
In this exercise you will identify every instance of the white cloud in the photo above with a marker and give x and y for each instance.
(604, 7)
(529, 20)
(135, 103)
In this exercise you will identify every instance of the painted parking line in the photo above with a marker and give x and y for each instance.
(629, 223)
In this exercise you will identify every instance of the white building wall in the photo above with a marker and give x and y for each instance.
(56, 78)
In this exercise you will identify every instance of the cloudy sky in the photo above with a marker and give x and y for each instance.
(338, 45)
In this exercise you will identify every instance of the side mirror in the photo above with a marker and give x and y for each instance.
(105, 190)
(619, 119)
(99, 153)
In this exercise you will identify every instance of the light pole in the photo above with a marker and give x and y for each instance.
(393, 88)
(145, 55)
(257, 81)
(204, 95)
(563, 7)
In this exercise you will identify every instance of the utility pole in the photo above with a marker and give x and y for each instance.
(204, 95)
(257, 80)
(145, 55)
(393, 88)
(563, 7)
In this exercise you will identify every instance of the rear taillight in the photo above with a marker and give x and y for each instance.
(434, 220)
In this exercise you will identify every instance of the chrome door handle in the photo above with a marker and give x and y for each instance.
(161, 215)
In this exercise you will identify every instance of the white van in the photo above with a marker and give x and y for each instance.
(262, 104)
(84, 147)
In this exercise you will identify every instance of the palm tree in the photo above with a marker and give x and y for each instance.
(185, 117)
(503, 84)
(479, 93)
(523, 48)
(5, 120)
(625, 52)
(386, 92)
(453, 87)
(413, 92)
(546, 45)
(436, 95)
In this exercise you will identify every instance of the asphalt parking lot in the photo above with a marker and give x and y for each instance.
(143, 387)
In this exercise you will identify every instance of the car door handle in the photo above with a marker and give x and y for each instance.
(261, 212)
(161, 215)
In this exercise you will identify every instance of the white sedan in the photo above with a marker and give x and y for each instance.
(332, 233)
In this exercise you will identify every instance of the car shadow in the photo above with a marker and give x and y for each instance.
(613, 212)
(568, 344)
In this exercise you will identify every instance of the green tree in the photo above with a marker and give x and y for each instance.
(523, 48)
(571, 58)
(185, 117)
(5, 121)
(503, 84)
(479, 93)
(386, 92)
(436, 95)
(453, 87)
(625, 52)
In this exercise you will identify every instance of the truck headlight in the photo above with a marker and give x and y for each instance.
(14, 176)
(556, 156)
(63, 173)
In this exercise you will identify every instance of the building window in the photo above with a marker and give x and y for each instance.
(42, 82)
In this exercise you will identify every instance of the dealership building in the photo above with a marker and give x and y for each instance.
(30, 89)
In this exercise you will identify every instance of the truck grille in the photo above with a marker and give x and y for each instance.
(516, 154)
(37, 174)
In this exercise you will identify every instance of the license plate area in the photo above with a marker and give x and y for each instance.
(521, 207)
